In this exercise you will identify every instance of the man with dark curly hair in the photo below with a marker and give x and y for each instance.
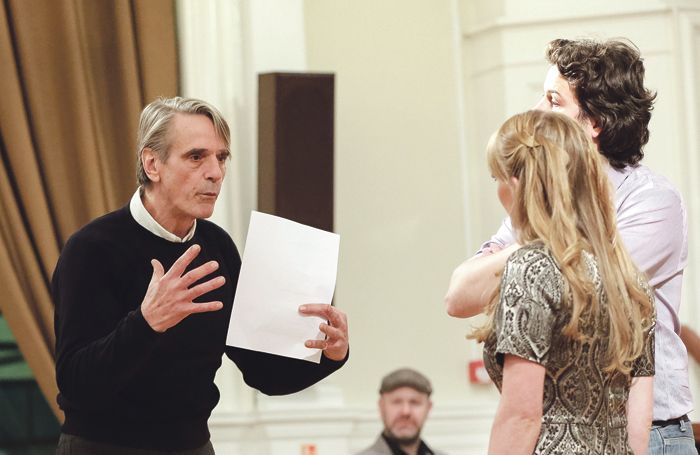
(601, 84)
(605, 82)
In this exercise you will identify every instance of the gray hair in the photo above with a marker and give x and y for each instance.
(155, 132)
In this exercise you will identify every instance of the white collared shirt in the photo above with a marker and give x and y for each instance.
(141, 215)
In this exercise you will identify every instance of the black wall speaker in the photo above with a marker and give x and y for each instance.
(295, 147)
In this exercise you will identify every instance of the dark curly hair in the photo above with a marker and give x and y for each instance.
(607, 79)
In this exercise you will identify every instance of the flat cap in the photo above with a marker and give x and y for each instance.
(405, 377)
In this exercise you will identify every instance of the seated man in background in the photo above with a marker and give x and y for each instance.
(143, 299)
(404, 404)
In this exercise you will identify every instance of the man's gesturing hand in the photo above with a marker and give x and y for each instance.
(335, 346)
(168, 299)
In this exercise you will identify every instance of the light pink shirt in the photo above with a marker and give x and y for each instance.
(652, 222)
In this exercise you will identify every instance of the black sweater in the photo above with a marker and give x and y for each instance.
(120, 381)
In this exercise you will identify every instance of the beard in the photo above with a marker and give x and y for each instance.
(402, 440)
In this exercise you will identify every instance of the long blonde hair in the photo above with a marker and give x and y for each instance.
(564, 199)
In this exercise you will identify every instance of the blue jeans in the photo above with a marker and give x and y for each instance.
(675, 439)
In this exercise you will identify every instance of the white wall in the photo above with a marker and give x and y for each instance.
(399, 197)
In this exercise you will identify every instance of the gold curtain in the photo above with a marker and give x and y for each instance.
(74, 76)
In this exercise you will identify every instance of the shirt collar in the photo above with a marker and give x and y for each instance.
(617, 176)
(141, 215)
(396, 450)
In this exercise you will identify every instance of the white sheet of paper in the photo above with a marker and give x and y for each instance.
(285, 265)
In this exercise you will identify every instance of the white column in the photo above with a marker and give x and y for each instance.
(212, 67)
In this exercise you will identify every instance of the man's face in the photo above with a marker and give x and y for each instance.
(189, 181)
(558, 97)
(404, 411)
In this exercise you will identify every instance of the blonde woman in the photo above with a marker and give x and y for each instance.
(569, 336)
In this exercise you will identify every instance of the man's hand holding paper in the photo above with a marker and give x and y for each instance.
(335, 346)
(286, 267)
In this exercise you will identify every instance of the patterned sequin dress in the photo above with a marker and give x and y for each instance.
(583, 408)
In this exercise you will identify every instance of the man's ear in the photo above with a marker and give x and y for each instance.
(380, 404)
(596, 127)
(514, 181)
(149, 160)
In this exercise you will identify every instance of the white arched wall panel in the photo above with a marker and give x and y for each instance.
(211, 68)
(687, 103)
(510, 49)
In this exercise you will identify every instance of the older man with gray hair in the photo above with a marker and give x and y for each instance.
(404, 405)
(143, 299)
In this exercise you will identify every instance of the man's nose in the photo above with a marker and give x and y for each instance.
(543, 105)
(213, 169)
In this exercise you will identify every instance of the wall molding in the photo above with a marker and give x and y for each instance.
(459, 430)
(511, 22)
